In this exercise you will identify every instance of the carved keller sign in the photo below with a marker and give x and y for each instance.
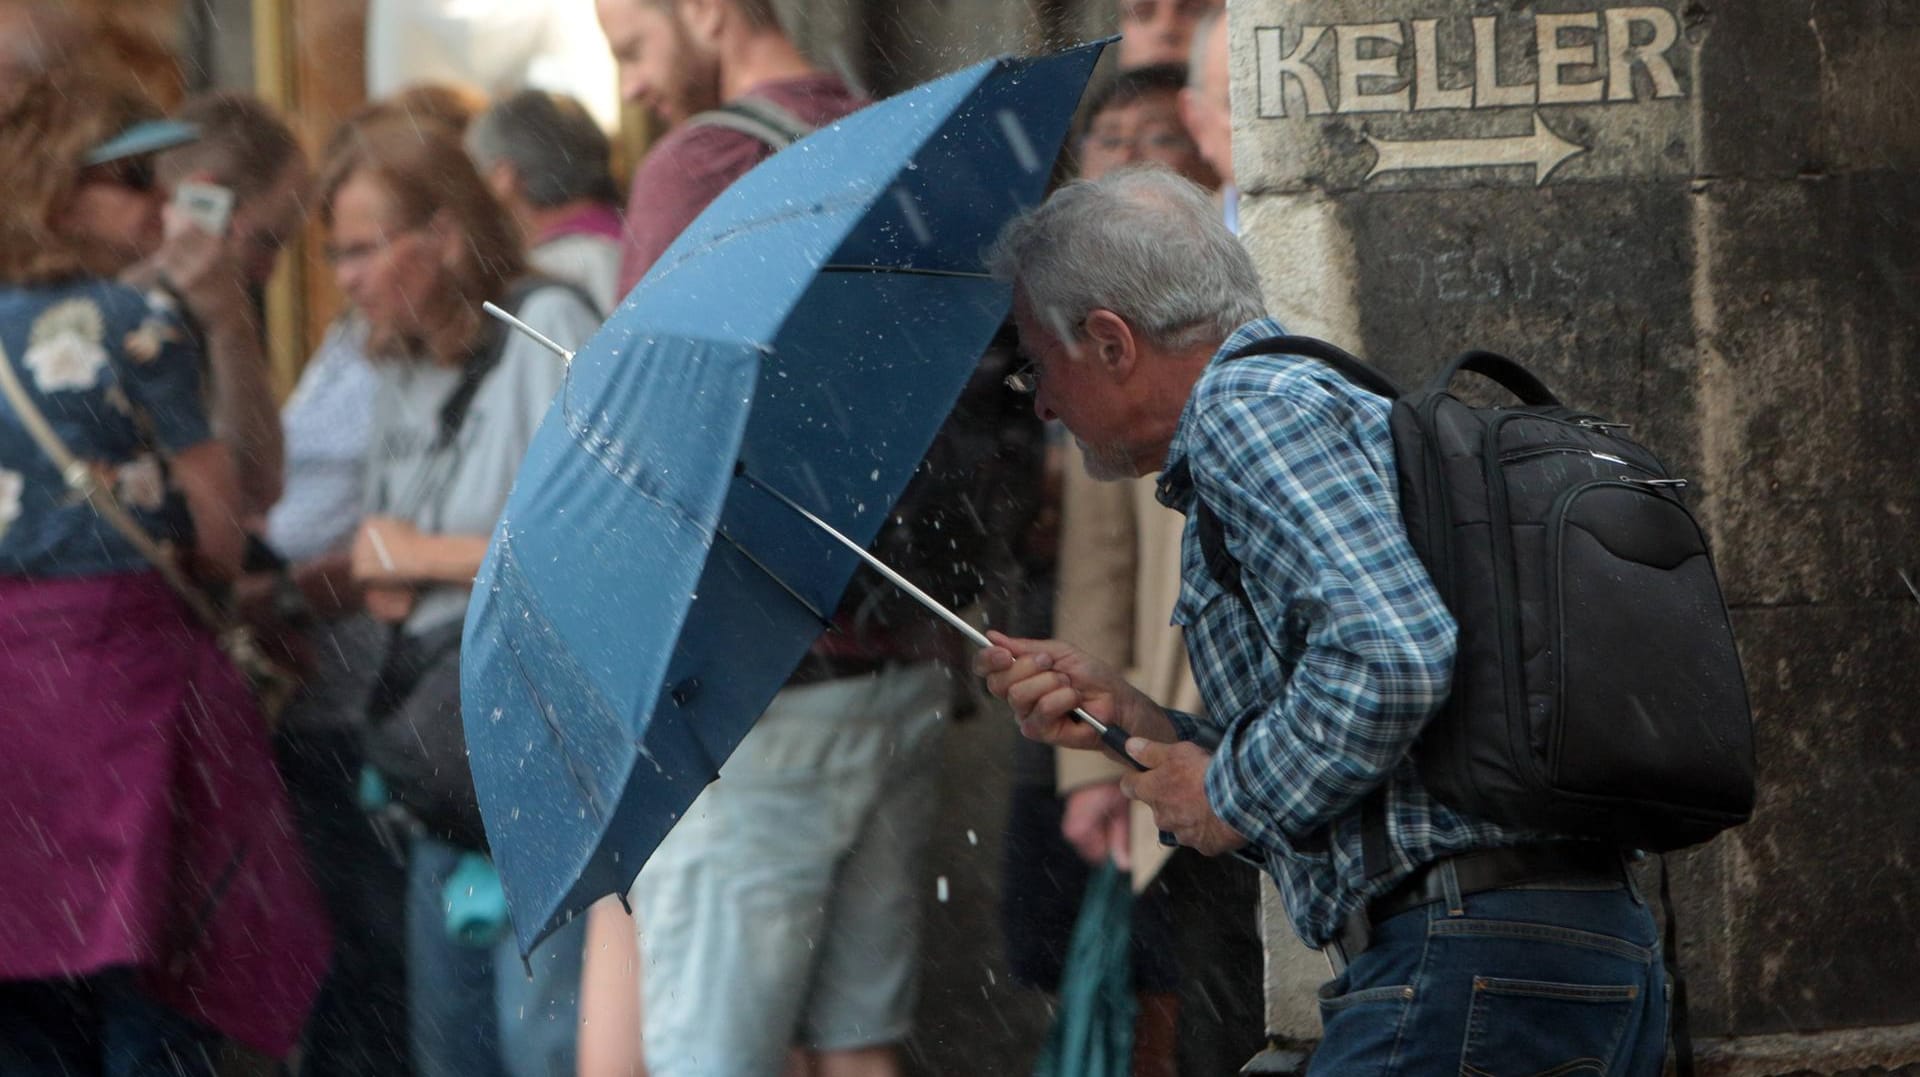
(1428, 96)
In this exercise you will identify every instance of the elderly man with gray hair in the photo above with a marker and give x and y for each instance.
(549, 164)
(1320, 658)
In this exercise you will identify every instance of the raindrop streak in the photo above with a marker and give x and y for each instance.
(940, 889)
(1017, 140)
(915, 222)
(972, 838)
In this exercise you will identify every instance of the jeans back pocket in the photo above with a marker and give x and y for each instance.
(1532, 1028)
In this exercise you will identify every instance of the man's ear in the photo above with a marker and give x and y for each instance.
(503, 180)
(1114, 344)
(703, 19)
(1188, 104)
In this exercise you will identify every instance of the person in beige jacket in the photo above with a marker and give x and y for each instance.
(1119, 574)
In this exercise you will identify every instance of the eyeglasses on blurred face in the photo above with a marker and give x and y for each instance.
(348, 254)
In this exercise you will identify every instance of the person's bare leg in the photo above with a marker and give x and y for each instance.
(881, 1061)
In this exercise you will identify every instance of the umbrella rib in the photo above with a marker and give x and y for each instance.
(510, 563)
(1114, 737)
(824, 620)
(559, 736)
(834, 267)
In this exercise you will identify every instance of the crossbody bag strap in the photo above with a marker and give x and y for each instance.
(758, 118)
(81, 477)
(437, 473)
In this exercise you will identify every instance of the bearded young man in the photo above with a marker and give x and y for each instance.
(1479, 948)
(680, 59)
(781, 910)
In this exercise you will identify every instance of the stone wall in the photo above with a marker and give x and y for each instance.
(1706, 220)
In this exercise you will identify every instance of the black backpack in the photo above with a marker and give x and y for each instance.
(1597, 691)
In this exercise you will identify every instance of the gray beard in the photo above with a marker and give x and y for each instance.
(1107, 463)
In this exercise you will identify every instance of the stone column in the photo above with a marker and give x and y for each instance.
(1704, 220)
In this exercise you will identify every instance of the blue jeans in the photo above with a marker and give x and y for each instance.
(473, 1011)
(1516, 981)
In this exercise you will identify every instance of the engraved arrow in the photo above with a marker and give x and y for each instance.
(1543, 149)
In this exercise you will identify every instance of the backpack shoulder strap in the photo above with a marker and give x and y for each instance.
(1213, 547)
(1376, 854)
(756, 117)
(1350, 366)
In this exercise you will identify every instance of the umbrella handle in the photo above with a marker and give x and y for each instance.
(1113, 737)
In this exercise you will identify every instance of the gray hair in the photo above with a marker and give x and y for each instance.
(551, 141)
(1142, 242)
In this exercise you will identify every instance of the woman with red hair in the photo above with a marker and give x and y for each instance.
(153, 899)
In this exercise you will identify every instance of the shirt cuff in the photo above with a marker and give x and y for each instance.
(1241, 810)
(1187, 727)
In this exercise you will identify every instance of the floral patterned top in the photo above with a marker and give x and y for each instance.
(116, 375)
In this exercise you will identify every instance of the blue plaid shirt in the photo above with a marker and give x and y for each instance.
(1317, 685)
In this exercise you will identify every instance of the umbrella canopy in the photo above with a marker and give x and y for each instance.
(645, 595)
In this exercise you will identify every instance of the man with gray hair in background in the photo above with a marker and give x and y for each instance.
(550, 165)
(1320, 658)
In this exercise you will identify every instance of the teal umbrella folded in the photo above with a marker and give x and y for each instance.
(1092, 1034)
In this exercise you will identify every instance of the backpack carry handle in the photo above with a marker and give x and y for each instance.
(1350, 366)
(1500, 370)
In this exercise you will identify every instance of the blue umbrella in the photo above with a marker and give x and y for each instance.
(652, 581)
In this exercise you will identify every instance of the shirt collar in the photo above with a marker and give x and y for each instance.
(592, 219)
(1175, 489)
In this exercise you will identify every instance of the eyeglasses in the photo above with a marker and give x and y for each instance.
(359, 252)
(133, 173)
(1026, 379)
(1160, 141)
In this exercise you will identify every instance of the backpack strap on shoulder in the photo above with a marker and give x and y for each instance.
(1350, 366)
(759, 118)
(1500, 370)
(1213, 548)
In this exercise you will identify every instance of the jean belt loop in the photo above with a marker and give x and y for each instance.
(1626, 873)
(1450, 887)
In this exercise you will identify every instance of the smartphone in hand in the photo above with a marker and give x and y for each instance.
(209, 206)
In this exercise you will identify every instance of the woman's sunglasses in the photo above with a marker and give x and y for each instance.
(133, 173)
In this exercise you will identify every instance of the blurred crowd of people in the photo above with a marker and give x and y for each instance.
(209, 531)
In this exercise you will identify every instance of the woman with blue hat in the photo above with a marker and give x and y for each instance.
(154, 899)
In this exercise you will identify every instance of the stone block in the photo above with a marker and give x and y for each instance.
(1809, 386)
(1822, 899)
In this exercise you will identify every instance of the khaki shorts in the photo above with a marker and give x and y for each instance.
(784, 909)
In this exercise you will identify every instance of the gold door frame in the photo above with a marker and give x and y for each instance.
(275, 82)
